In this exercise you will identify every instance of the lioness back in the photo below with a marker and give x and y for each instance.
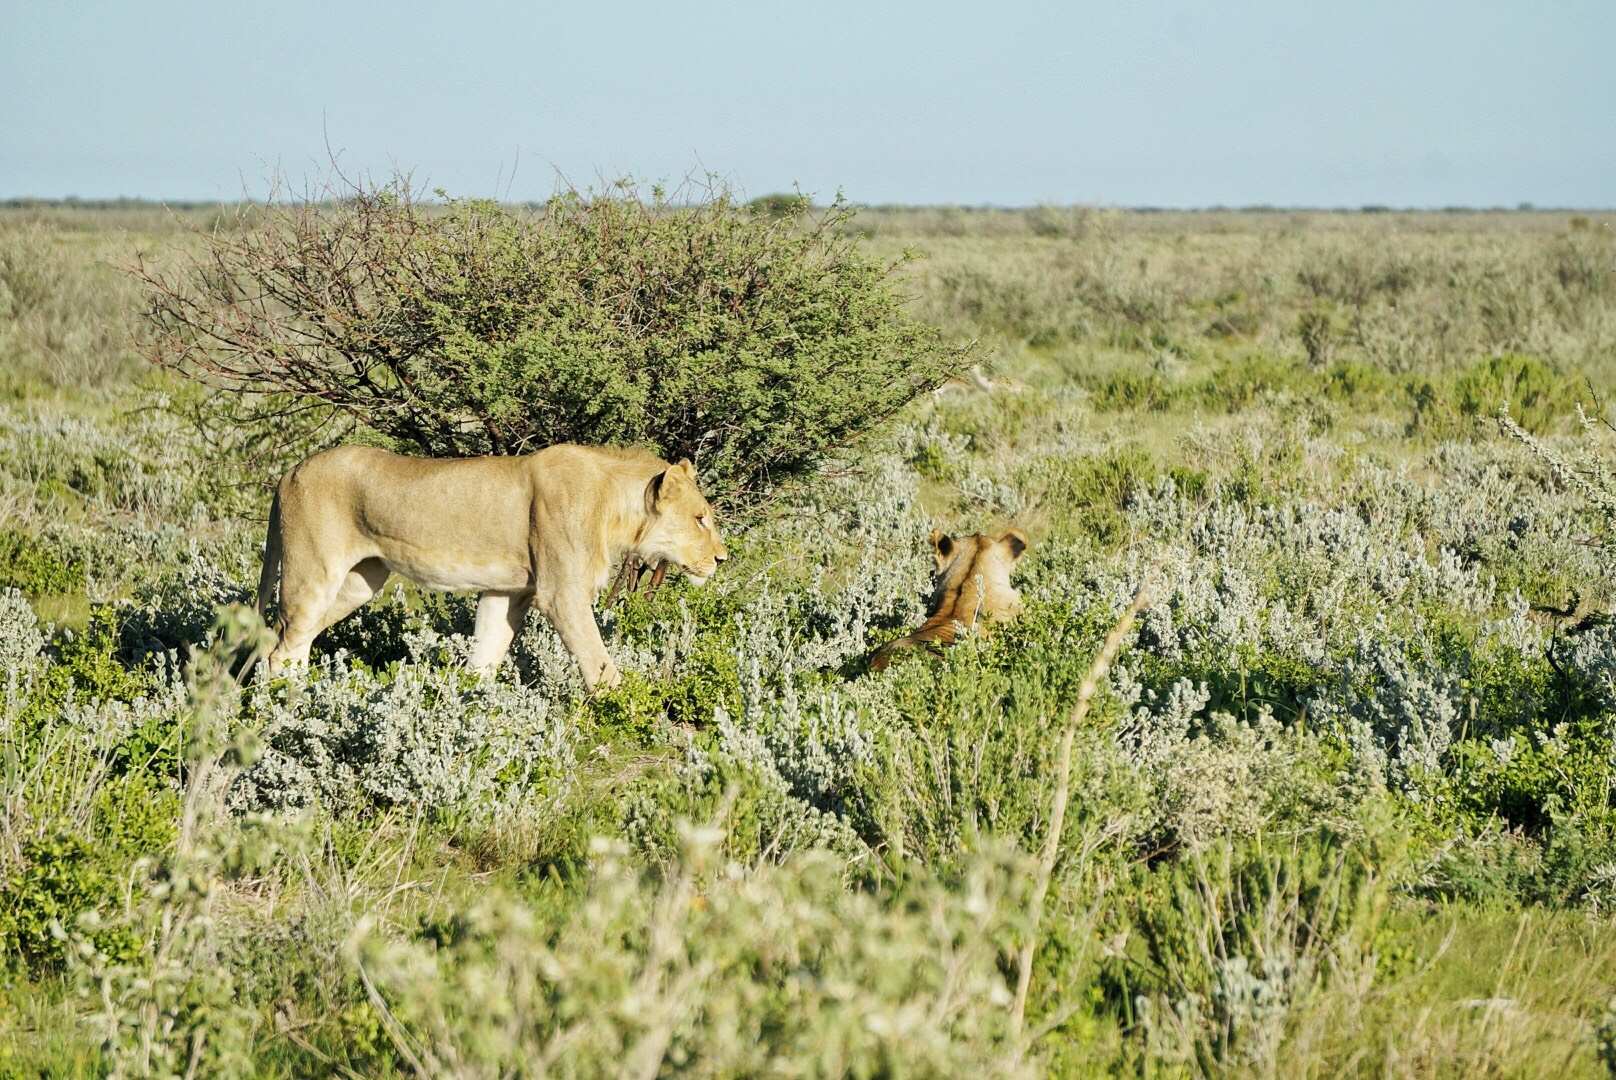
(972, 585)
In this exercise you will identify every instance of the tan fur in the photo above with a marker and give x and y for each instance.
(972, 586)
(545, 529)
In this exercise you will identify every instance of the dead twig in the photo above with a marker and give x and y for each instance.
(1057, 816)
(630, 567)
(633, 571)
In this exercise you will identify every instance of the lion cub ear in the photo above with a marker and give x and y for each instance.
(690, 470)
(942, 545)
(1016, 541)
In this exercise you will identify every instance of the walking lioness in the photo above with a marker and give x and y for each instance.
(545, 529)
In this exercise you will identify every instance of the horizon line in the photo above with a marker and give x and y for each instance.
(30, 202)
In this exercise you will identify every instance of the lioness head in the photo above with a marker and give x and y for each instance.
(965, 561)
(680, 526)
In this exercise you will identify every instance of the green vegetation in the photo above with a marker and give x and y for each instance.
(753, 344)
(1345, 803)
(35, 567)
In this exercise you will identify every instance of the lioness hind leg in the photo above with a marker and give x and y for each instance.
(298, 627)
(307, 593)
(361, 585)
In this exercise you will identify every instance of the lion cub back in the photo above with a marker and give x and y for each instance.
(972, 586)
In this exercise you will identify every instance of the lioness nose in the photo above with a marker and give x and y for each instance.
(720, 555)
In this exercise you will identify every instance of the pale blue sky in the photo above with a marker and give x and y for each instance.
(1404, 103)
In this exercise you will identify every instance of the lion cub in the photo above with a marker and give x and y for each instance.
(973, 582)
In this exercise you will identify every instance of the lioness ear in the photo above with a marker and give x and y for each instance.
(942, 543)
(653, 490)
(1016, 541)
(690, 470)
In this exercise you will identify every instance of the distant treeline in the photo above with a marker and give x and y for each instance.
(74, 202)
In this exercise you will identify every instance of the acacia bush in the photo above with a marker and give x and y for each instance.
(755, 343)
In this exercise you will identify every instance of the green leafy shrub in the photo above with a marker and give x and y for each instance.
(706, 681)
(66, 873)
(86, 665)
(89, 661)
(706, 677)
(36, 568)
(1239, 383)
(754, 344)
(780, 204)
(1099, 487)
(1134, 390)
(1318, 336)
(61, 877)
(136, 814)
(1357, 383)
(1536, 394)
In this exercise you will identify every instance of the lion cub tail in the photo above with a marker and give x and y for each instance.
(270, 575)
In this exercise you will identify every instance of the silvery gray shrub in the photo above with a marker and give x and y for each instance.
(432, 737)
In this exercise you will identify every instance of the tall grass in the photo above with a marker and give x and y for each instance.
(68, 317)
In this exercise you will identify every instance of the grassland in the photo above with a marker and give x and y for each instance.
(1344, 804)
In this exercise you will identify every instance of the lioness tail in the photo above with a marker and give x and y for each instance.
(271, 572)
(883, 656)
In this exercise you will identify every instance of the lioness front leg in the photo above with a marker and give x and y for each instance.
(573, 616)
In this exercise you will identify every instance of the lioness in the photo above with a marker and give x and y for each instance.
(543, 529)
(973, 581)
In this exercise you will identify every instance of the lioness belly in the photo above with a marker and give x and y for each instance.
(460, 575)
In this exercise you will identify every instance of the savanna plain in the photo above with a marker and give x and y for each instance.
(1342, 805)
